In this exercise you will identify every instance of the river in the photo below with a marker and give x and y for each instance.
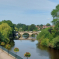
(37, 51)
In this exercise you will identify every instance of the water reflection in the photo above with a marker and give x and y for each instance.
(32, 40)
(25, 35)
(52, 53)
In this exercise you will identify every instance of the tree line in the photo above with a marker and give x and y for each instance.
(23, 27)
(32, 27)
(50, 36)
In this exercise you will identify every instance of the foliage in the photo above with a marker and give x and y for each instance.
(45, 42)
(55, 11)
(33, 35)
(50, 36)
(23, 27)
(16, 49)
(40, 26)
(12, 43)
(54, 42)
(2, 43)
(5, 29)
(8, 46)
(11, 25)
(1, 37)
(27, 54)
(45, 37)
(16, 29)
(44, 34)
(32, 27)
(47, 24)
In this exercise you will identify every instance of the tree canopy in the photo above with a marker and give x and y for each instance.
(5, 29)
(47, 24)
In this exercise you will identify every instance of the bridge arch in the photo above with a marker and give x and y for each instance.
(29, 32)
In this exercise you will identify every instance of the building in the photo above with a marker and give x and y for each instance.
(44, 26)
(38, 27)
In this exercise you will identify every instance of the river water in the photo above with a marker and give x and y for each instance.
(37, 51)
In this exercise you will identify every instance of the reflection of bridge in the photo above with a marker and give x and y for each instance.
(29, 32)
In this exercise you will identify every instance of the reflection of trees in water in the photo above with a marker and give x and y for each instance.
(53, 53)
(32, 40)
(33, 35)
(25, 35)
(12, 43)
(57, 45)
(42, 50)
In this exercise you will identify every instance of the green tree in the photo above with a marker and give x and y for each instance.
(5, 29)
(32, 27)
(1, 37)
(16, 29)
(11, 25)
(54, 11)
(47, 24)
(55, 14)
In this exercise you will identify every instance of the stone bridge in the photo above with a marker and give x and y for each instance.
(29, 32)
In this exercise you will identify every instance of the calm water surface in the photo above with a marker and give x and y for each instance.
(37, 51)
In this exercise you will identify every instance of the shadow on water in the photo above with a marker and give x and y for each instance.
(53, 53)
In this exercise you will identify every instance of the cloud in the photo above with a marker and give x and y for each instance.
(30, 4)
(27, 11)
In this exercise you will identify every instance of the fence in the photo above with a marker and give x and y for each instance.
(18, 57)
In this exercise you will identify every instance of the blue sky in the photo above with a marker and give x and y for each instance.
(27, 11)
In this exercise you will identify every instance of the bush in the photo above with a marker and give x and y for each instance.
(45, 42)
(45, 37)
(55, 42)
(45, 34)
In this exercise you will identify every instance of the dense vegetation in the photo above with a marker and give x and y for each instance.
(7, 32)
(23, 27)
(50, 36)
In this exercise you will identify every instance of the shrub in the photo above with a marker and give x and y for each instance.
(54, 42)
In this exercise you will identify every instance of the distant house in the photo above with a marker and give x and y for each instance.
(38, 27)
(44, 26)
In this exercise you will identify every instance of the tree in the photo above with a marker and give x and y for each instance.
(32, 27)
(1, 37)
(55, 14)
(41, 25)
(16, 29)
(11, 25)
(24, 27)
(5, 29)
(47, 24)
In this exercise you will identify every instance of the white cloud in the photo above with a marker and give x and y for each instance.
(30, 4)
(14, 10)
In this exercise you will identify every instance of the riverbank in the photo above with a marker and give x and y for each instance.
(4, 55)
(26, 38)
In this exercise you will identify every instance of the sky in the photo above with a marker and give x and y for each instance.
(27, 11)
